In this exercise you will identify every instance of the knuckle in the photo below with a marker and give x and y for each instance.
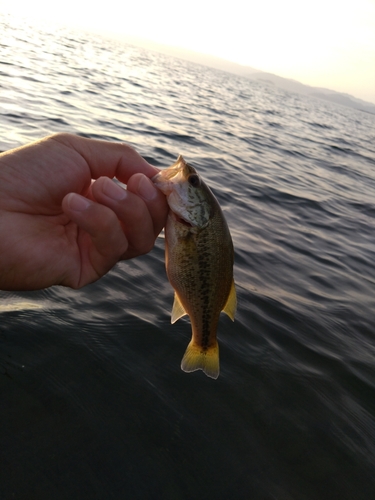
(61, 136)
(128, 147)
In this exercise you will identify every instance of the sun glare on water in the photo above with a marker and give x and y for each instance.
(324, 43)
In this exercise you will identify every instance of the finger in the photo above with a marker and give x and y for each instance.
(155, 200)
(110, 159)
(132, 211)
(100, 239)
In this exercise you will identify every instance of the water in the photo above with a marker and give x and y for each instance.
(93, 403)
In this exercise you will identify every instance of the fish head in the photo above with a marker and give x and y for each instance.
(189, 198)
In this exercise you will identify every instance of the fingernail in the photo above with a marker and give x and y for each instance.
(113, 190)
(146, 188)
(77, 202)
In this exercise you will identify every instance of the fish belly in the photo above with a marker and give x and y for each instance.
(200, 268)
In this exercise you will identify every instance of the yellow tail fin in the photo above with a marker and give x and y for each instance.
(196, 358)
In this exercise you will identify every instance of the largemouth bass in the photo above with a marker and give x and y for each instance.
(199, 262)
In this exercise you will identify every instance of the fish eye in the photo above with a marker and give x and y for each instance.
(194, 180)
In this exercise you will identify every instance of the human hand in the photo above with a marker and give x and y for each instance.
(57, 227)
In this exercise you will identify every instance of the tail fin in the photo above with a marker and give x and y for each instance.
(197, 358)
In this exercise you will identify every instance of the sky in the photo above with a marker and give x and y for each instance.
(325, 43)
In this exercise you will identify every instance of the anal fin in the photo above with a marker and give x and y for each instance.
(178, 309)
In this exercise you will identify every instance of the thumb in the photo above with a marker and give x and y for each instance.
(100, 238)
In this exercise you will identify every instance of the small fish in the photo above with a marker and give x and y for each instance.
(199, 262)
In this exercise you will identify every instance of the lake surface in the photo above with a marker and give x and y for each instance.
(93, 403)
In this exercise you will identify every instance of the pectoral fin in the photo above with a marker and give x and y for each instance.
(178, 309)
(231, 305)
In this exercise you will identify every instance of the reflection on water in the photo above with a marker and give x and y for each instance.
(93, 401)
(19, 306)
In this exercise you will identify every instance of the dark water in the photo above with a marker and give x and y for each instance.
(93, 403)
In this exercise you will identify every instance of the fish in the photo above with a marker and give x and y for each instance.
(199, 259)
